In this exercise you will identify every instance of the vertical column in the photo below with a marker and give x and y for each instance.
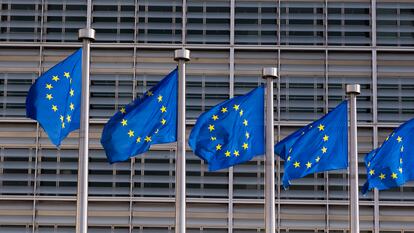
(86, 35)
(270, 218)
(231, 171)
(36, 163)
(352, 91)
(181, 56)
(231, 95)
(278, 139)
(374, 101)
(184, 23)
(326, 111)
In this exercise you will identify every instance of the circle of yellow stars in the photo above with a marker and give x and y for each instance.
(163, 121)
(211, 128)
(55, 80)
(323, 150)
(394, 174)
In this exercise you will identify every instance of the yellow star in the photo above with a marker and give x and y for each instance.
(324, 150)
(70, 80)
(211, 127)
(54, 108)
(72, 106)
(149, 93)
(401, 161)
(227, 153)
(131, 133)
(66, 74)
(163, 109)
(241, 112)
(159, 98)
(218, 147)
(388, 137)
(321, 127)
(245, 122)
(399, 139)
(236, 107)
(400, 169)
(369, 164)
(382, 176)
(245, 146)
(402, 149)
(247, 135)
(236, 153)
(213, 138)
(61, 118)
(72, 92)
(308, 164)
(147, 139)
(317, 159)
(123, 111)
(124, 122)
(138, 139)
(394, 175)
(325, 138)
(68, 118)
(288, 158)
(63, 125)
(49, 96)
(49, 86)
(55, 78)
(296, 164)
(215, 117)
(163, 121)
(223, 109)
(371, 172)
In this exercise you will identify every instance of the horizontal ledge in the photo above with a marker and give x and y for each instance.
(210, 46)
(192, 122)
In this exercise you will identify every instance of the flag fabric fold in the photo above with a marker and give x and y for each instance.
(320, 146)
(149, 120)
(391, 165)
(54, 99)
(232, 132)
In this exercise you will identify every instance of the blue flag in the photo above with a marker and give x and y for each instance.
(319, 146)
(54, 99)
(232, 132)
(149, 120)
(392, 164)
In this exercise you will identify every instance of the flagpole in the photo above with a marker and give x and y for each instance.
(352, 91)
(269, 74)
(181, 56)
(86, 35)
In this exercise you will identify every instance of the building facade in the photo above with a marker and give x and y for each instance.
(319, 46)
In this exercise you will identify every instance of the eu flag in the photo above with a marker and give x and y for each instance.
(319, 146)
(232, 132)
(392, 164)
(54, 99)
(151, 119)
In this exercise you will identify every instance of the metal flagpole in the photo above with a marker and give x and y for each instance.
(181, 56)
(86, 35)
(269, 74)
(352, 91)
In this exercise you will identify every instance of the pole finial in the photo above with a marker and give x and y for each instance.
(86, 33)
(353, 89)
(269, 72)
(182, 54)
